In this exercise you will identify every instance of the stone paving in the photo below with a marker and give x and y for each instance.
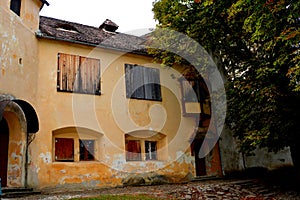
(210, 190)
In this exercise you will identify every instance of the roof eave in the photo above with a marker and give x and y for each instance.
(41, 35)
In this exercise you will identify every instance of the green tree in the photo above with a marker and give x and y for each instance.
(256, 45)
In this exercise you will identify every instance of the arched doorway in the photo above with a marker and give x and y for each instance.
(18, 123)
(4, 141)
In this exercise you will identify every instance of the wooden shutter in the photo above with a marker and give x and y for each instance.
(133, 150)
(142, 83)
(78, 74)
(67, 75)
(134, 81)
(64, 149)
(128, 80)
(138, 82)
(90, 75)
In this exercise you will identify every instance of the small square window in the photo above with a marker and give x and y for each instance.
(15, 6)
(87, 150)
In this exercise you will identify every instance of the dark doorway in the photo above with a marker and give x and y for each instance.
(200, 162)
(4, 139)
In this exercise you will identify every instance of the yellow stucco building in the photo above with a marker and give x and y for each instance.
(86, 107)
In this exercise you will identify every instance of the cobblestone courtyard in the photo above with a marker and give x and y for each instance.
(211, 189)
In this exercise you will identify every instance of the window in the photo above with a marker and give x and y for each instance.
(15, 6)
(133, 150)
(142, 83)
(64, 149)
(195, 97)
(76, 144)
(87, 150)
(145, 145)
(194, 90)
(78, 74)
(150, 150)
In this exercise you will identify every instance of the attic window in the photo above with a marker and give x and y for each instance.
(67, 28)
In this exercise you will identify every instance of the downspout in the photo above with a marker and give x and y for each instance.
(26, 162)
(28, 142)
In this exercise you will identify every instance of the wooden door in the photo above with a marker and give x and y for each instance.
(200, 162)
(4, 139)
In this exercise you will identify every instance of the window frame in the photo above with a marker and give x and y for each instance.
(159, 141)
(140, 75)
(77, 134)
(152, 155)
(75, 72)
(200, 102)
(89, 152)
(16, 6)
(132, 155)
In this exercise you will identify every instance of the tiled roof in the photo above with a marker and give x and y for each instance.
(78, 33)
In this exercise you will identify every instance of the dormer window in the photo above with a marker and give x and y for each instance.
(15, 6)
(67, 28)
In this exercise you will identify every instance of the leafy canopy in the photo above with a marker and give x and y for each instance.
(255, 44)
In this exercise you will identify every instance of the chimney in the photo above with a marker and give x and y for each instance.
(109, 25)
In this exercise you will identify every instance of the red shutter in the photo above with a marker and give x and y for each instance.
(64, 149)
(133, 150)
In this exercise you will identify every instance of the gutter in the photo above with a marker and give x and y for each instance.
(43, 3)
(39, 34)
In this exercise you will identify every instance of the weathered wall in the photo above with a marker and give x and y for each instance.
(19, 50)
(111, 115)
(29, 72)
(18, 78)
(232, 159)
(16, 149)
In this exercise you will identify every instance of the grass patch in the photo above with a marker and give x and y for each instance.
(119, 197)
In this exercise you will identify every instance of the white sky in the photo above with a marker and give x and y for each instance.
(130, 15)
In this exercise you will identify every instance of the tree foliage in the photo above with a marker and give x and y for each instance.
(256, 44)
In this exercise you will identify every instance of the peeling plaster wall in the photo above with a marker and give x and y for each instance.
(112, 115)
(18, 77)
(16, 151)
(29, 72)
(19, 50)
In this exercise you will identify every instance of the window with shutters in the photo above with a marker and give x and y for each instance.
(78, 74)
(76, 144)
(64, 149)
(15, 6)
(140, 147)
(142, 83)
